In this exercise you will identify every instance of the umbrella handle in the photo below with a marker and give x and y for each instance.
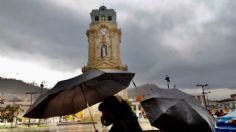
(88, 108)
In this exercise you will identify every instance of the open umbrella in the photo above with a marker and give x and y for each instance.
(75, 94)
(172, 110)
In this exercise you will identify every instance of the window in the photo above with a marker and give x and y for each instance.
(103, 18)
(103, 51)
(96, 18)
(109, 18)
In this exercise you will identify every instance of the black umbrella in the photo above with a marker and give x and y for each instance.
(172, 110)
(75, 94)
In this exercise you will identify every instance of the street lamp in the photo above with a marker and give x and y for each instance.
(168, 81)
(203, 92)
(41, 90)
(31, 98)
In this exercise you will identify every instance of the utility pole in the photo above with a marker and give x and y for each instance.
(31, 101)
(168, 81)
(203, 92)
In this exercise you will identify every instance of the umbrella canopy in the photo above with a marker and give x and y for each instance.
(73, 95)
(144, 90)
(172, 110)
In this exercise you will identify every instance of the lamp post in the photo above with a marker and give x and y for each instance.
(168, 81)
(41, 88)
(31, 100)
(203, 92)
(41, 92)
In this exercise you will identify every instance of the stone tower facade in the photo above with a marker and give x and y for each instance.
(104, 38)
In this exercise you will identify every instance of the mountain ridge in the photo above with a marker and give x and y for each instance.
(13, 86)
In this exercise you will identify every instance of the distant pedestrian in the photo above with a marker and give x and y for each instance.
(217, 113)
(117, 112)
(221, 112)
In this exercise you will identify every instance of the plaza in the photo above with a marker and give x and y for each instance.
(80, 127)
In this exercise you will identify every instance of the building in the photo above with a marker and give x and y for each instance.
(104, 39)
(201, 99)
(233, 96)
(138, 94)
(227, 105)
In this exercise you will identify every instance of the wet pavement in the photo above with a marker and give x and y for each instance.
(61, 128)
(74, 128)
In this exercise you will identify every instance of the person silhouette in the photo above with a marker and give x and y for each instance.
(217, 113)
(117, 112)
(221, 112)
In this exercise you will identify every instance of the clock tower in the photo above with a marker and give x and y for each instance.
(104, 38)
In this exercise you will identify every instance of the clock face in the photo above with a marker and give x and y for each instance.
(103, 31)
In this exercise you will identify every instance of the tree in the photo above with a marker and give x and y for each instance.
(10, 113)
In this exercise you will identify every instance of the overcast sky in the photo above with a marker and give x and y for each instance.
(192, 41)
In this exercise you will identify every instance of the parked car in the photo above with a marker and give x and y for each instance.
(226, 123)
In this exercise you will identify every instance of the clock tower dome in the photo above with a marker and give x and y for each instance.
(104, 38)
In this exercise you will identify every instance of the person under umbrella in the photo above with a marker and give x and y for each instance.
(172, 110)
(75, 94)
(117, 112)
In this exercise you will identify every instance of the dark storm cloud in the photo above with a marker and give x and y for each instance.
(40, 29)
(207, 54)
(191, 41)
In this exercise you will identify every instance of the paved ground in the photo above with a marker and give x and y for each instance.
(74, 128)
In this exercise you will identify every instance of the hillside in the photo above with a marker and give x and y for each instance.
(12, 86)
